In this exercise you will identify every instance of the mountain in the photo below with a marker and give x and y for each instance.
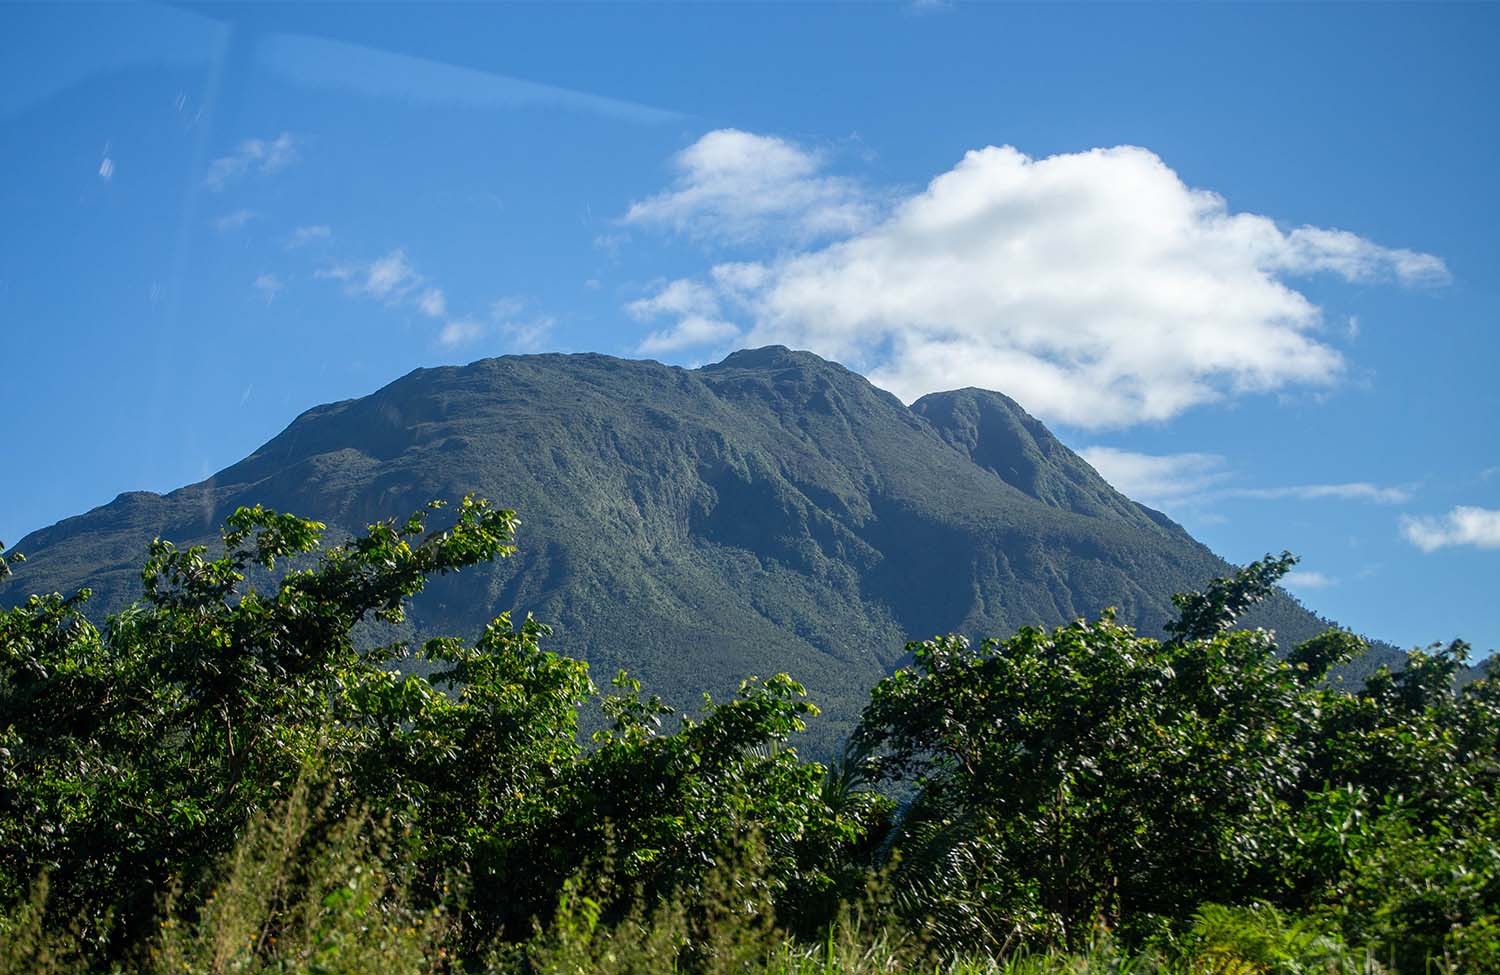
(770, 512)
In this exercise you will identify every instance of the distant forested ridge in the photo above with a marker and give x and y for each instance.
(771, 512)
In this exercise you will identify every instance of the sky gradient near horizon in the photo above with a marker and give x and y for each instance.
(1242, 258)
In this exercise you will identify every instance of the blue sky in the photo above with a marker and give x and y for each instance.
(1243, 258)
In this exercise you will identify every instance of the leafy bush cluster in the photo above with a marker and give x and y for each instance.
(225, 778)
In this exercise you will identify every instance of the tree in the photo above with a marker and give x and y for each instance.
(1090, 775)
(132, 757)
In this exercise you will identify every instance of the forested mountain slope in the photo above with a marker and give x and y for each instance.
(771, 512)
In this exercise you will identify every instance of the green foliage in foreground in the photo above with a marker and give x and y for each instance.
(224, 779)
(288, 903)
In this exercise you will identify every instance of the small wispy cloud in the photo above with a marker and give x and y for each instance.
(527, 335)
(517, 332)
(236, 220)
(432, 303)
(461, 331)
(1311, 250)
(1301, 579)
(303, 236)
(520, 331)
(610, 244)
(269, 286)
(507, 307)
(689, 332)
(264, 156)
(389, 278)
(394, 280)
(1464, 525)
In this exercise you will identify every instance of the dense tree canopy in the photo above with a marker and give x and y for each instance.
(1089, 776)
(1032, 791)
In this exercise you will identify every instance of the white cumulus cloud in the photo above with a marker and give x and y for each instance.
(1096, 287)
(736, 186)
(1464, 525)
(264, 156)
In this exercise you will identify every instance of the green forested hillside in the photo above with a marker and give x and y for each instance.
(771, 512)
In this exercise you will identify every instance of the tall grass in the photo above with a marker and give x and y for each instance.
(301, 897)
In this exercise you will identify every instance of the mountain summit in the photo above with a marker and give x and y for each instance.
(773, 511)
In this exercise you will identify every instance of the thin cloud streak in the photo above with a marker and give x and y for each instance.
(1157, 479)
(1356, 491)
(320, 63)
(1197, 479)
